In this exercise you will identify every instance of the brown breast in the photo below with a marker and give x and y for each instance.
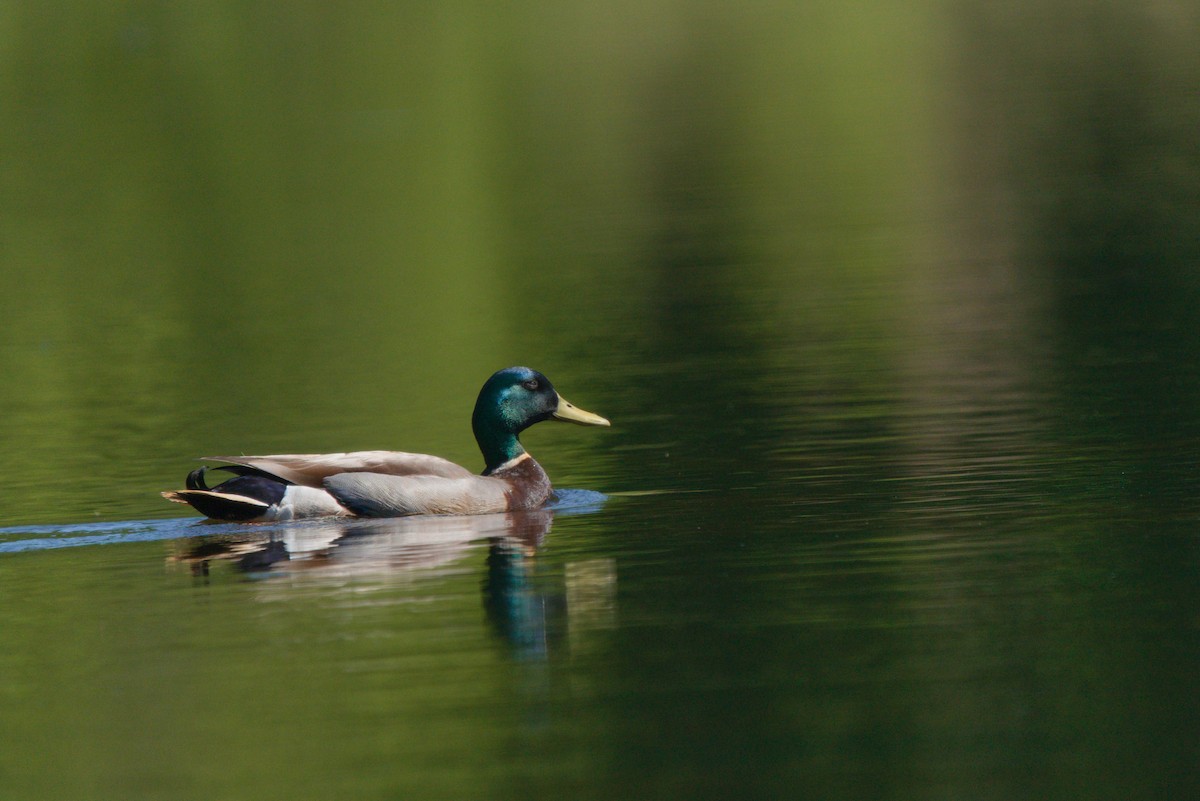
(528, 484)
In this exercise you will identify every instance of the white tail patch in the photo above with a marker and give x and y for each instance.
(300, 502)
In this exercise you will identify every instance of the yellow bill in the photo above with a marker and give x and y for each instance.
(573, 414)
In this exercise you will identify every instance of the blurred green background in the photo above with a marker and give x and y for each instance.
(260, 227)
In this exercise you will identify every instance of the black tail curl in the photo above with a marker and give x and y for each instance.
(247, 482)
(195, 479)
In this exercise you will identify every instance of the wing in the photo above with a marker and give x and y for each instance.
(310, 469)
(377, 495)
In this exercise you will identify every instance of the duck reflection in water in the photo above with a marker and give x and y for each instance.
(530, 612)
(383, 549)
(526, 613)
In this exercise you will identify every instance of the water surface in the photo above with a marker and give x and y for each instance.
(894, 312)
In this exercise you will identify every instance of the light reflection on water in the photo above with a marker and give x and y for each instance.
(350, 562)
(300, 538)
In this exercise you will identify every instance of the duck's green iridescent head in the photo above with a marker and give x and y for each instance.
(511, 401)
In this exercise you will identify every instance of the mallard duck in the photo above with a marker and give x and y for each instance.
(392, 483)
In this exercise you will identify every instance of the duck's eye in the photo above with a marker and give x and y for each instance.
(531, 385)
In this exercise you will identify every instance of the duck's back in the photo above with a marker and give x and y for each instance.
(310, 469)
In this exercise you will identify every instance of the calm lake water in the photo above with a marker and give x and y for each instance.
(895, 311)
